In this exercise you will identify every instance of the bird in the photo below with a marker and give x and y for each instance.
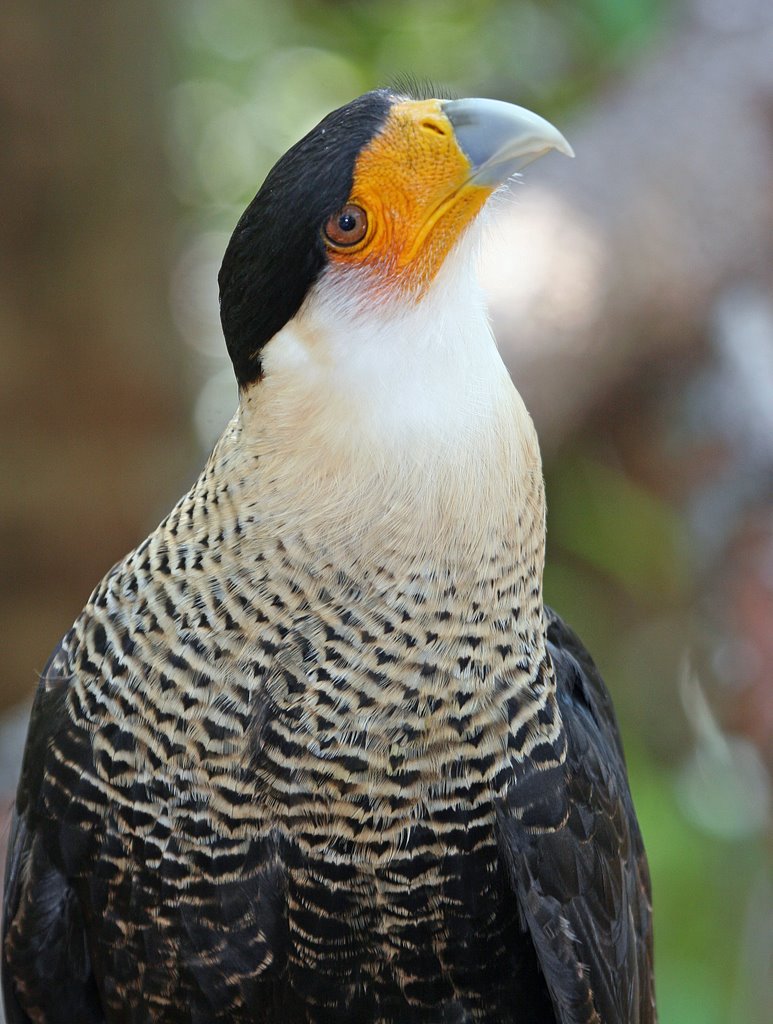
(317, 750)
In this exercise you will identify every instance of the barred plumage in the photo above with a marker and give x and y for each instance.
(314, 751)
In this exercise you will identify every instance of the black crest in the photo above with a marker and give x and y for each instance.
(276, 251)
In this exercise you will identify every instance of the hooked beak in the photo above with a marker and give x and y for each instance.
(499, 139)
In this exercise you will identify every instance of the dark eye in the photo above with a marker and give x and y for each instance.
(347, 226)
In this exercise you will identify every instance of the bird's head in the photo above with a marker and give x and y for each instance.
(363, 212)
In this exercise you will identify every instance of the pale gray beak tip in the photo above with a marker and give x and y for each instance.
(500, 139)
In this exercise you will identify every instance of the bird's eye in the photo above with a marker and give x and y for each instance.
(347, 226)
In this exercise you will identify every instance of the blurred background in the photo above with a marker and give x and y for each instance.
(630, 292)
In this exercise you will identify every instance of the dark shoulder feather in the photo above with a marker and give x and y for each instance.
(46, 967)
(574, 853)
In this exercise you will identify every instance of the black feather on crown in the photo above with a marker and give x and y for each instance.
(276, 251)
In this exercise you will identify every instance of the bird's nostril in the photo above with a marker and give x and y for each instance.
(433, 126)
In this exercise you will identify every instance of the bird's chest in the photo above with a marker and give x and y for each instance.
(350, 709)
(379, 716)
(314, 775)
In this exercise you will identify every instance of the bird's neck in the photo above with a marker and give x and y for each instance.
(398, 443)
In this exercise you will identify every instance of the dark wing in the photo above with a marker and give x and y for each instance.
(45, 960)
(575, 858)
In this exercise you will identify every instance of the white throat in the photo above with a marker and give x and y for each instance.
(398, 413)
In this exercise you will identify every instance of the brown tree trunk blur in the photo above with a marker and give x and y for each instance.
(92, 378)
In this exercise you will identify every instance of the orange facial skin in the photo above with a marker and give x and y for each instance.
(413, 181)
